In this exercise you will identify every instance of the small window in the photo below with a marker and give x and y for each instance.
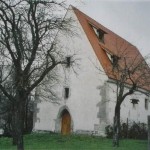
(66, 94)
(100, 33)
(114, 60)
(146, 104)
(134, 102)
(68, 61)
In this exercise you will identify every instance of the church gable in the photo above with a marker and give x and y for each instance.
(111, 49)
(88, 99)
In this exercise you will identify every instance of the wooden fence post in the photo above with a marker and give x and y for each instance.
(148, 132)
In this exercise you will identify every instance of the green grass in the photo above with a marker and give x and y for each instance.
(47, 141)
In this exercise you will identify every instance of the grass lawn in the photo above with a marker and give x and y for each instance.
(47, 141)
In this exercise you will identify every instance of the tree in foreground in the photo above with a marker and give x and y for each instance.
(28, 50)
(131, 73)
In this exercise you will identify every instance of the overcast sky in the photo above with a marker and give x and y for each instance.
(129, 19)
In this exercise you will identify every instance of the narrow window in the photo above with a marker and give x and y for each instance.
(66, 94)
(68, 61)
(146, 104)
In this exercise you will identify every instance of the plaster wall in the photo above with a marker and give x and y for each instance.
(91, 101)
(84, 102)
(137, 113)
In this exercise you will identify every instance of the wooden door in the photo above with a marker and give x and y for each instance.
(66, 123)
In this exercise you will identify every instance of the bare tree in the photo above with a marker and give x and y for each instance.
(28, 45)
(131, 73)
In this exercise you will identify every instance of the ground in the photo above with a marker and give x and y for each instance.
(49, 141)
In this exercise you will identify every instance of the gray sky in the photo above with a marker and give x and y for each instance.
(128, 19)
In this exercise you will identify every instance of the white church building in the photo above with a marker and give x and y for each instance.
(87, 98)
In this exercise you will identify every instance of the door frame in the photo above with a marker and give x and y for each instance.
(65, 122)
(58, 120)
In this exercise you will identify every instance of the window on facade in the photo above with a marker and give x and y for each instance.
(68, 61)
(100, 33)
(134, 102)
(114, 60)
(66, 94)
(146, 104)
(108, 55)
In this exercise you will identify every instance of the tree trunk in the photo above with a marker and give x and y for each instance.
(26, 125)
(20, 125)
(13, 126)
(19, 119)
(116, 126)
(14, 137)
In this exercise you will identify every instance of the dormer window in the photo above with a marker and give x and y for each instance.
(100, 33)
(114, 60)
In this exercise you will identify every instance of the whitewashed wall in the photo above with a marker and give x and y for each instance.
(92, 99)
(84, 99)
(137, 113)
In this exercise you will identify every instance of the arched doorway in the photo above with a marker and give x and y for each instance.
(65, 123)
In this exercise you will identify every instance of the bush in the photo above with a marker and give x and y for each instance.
(138, 131)
(132, 131)
(109, 131)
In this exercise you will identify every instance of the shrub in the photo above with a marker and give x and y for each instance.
(138, 131)
(132, 131)
(109, 131)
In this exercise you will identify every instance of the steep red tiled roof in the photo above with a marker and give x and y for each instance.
(113, 44)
